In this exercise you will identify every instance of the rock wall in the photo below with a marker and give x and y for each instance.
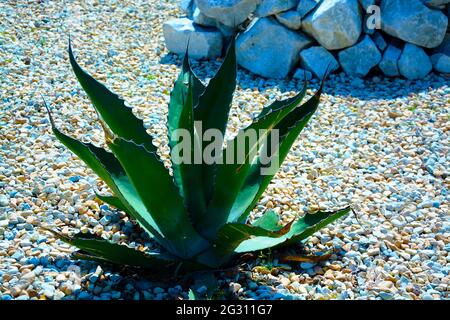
(278, 38)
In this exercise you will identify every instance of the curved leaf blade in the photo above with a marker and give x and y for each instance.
(232, 176)
(300, 230)
(112, 109)
(112, 201)
(109, 169)
(213, 109)
(181, 117)
(230, 236)
(160, 196)
(289, 129)
(106, 251)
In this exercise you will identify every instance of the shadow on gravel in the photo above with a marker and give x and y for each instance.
(374, 86)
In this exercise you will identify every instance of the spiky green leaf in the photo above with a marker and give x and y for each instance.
(112, 201)
(108, 168)
(300, 230)
(231, 175)
(103, 250)
(213, 108)
(160, 196)
(112, 109)
(180, 117)
(289, 129)
(230, 236)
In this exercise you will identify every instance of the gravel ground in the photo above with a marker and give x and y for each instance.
(381, 145)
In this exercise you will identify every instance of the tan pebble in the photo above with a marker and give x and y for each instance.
(335, 267)
(285, 281)
(341, 277)
(6, 277)
(385, 286)
(416, 270)
(346, 270)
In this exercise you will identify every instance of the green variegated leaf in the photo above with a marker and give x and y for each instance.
(113, 111)
(160, 197)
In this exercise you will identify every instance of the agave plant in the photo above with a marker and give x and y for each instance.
(199, 215)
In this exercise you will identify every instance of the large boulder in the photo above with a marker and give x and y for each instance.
(318, 60)
(441, 62)
(335, 24)
(203, 42)
(271, 7)
(269, 49)
(414, 62)
(306, 6)
(413, 22)
(229, 12)
(389, 63)
(358, 60)
(291, 19)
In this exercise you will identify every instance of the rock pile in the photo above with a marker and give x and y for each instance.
(405, 38)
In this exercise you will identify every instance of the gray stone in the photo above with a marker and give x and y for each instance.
(388, 64)
(306, 6)
(412, 21)
(229, 12)
(200, 19)
(203, 42)
(318, 60)
(271, 7)
(290, 19)
(302, 74)
(441, 62)
(335, 24)
(269, 49)
(367, 3)
(378, 38)
(414, 62)
(359, 59)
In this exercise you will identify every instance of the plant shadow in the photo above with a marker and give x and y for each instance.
(374, 86)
